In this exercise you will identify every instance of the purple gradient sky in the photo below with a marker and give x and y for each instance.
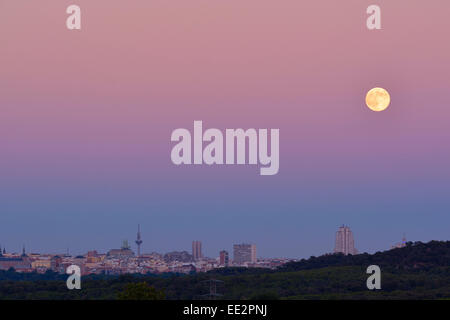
(86, 119)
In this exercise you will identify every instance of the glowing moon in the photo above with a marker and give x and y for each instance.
(378, 99)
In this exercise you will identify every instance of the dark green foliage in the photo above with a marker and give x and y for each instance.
(416, 255)
(140, 291)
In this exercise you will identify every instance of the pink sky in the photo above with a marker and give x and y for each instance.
(81, 108)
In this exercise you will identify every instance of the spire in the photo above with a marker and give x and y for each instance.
(23, 251)
(139, 240)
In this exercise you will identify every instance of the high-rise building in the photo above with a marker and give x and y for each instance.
(345, 242)
(244, 253)
(223, 258)
(197, 250)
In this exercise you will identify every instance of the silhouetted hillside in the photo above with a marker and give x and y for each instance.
(415, 255)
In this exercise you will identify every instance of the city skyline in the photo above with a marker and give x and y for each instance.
(346, 245)
(124, 260)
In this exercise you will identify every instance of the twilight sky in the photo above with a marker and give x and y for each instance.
(86, 118)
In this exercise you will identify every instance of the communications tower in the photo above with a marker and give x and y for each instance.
(139, 241)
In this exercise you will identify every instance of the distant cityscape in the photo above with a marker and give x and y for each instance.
(125, 260)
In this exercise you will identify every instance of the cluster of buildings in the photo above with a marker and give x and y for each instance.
(124, 260)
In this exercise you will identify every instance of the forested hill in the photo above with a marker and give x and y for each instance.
(415, 255)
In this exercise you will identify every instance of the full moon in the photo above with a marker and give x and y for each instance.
(378, 99)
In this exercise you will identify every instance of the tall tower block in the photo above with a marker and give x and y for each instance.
(345, 243)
